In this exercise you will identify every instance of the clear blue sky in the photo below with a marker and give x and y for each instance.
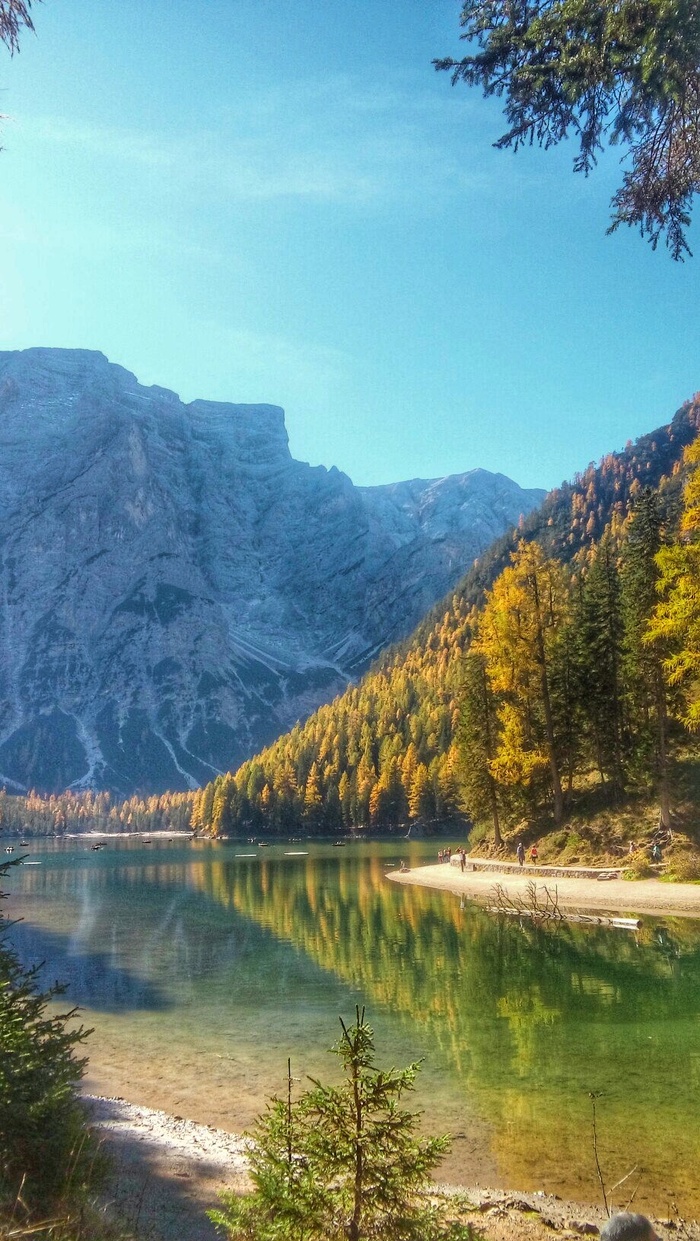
(255, 201)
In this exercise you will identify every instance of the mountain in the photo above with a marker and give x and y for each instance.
(177, 589)
(392, 749)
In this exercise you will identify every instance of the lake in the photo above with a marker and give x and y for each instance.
(202, 969)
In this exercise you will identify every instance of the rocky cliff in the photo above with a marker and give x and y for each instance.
(176, 589)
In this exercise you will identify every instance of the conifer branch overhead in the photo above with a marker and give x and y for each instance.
(625, 74)
(14, 15)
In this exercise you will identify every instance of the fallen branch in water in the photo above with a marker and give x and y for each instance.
(540, 903)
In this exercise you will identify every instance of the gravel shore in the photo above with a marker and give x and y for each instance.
(167, 1171)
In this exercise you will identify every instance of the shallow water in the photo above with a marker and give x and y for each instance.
(201, 971)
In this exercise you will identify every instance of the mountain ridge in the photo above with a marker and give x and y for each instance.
(177, 589)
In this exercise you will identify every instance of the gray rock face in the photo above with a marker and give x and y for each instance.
(176, 590)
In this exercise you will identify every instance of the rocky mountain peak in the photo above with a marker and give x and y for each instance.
(176, 589)
(253, 434)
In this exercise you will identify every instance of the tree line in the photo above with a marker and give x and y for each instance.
(54, 814)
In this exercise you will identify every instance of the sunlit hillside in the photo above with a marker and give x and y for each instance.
(402, 746)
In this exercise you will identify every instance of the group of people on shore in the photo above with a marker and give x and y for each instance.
(520, 854)
(445, 855)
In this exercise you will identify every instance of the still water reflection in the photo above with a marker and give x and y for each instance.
(202, 970)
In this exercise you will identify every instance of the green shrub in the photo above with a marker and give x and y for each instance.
(685, 867)
(46, 1150)
(343, 1163)
(640, 868)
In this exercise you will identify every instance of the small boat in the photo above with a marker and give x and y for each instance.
(339, 844)
(263, 844)
(9, 849)
(24, 844)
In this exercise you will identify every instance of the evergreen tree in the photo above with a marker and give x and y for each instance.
(643, 660)
(625, 73)
(46, 1151)
(599, 633)
(478, 743)
(342, 1163)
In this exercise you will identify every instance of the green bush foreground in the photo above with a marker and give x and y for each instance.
(343, 1163)
(47, 1154)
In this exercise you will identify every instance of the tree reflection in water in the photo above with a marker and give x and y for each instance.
(255, 957)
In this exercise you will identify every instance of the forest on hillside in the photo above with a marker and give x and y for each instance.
(566, 659)
(568, 655)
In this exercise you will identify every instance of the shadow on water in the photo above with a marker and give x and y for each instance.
(91, 979)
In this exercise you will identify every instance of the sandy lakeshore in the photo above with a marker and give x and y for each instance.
(613, 896)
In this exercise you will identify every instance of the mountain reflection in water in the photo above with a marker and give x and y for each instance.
(518, 1023)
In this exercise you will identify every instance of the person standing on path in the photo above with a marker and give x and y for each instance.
(534, 854)
(520, 853)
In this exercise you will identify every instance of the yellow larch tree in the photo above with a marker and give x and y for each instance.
(518, 631)
(676, 618)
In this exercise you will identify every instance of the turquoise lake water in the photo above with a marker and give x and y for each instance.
(202, 969)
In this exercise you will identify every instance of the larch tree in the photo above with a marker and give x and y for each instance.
(313, 798)
(421, 798)
(676, 618)
(518, 633)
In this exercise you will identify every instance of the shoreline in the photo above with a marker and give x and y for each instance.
(614, 896)
(168, 1171)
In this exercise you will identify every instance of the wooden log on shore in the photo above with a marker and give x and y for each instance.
(622, 924)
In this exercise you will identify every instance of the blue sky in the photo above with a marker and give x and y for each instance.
(254, 201)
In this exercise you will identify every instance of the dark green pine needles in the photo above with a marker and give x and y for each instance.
(343, 1162)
